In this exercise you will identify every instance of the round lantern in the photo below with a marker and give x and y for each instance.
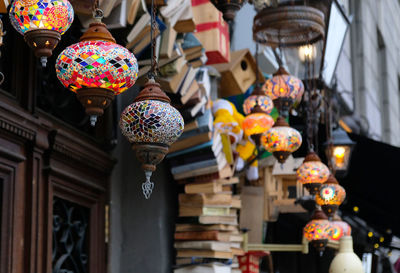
(257, 97)
(316, 230)
(330, 196)
(151, 124)
(96, 69)
(312, 173)
(281, 140)
(338, 229)
(284, 90)
(42, 22)
(257, 123)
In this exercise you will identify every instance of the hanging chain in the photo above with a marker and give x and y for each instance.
(257, 76)
(154, 65)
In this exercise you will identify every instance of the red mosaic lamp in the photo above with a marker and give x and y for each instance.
(330, 196)
(316, 230)
(281, 140)
(312, 173)
(151, 123)
(338, 229)
(42, 22)
(96, 68)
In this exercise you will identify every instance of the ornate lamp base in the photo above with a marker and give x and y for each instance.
(95, 100)
(42, 41)
(313, 188)
(149, 155)
(320, 245)
(281, 156)
(329, 209)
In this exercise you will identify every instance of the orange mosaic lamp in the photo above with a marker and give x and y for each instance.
(96, 69)
(316, 230)
(42, 22)
(330, 196)
(257, 123)
(312, 173)
(281, 140)
(338, 229)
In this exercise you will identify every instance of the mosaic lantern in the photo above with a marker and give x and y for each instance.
(316, 230)
(330, 196)
(258, 97)
(281, 140)
(257, 123)
(151, 124)
(338, 229)
(96, 69)
(312, 173)
(42, 22)
(284, 90)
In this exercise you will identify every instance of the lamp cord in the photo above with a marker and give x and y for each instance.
(257, 76)
(152, 73)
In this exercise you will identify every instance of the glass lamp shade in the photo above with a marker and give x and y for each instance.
(151, 124)
(42, 22)
(284, 90)
(312, 173)
(338, 229)
(316, 230)
(263, 101)
(330, 196)
(257, 123)
(281, 140)
(96, 69)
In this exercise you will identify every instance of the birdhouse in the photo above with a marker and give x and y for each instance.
(239, 74)
(282, 189)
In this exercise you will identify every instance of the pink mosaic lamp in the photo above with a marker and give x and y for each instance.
(330, 196)
(96, 69)
(312, 173)
(281, 140)
(316, 230)
(42, 22)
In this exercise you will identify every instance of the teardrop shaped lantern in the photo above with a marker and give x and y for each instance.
(316, 230)
(330, 196)
(284, 90)
(42, 22)
(151, 124)
(281, 140)
(96, 69)
(312, 173)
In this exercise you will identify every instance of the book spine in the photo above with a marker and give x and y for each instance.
(193, 166)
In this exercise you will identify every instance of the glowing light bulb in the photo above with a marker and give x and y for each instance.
(307, 53)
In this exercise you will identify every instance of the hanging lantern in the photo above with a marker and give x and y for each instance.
(312, 173)
(284, 90)
(151, 124)
(257, 123)
(281, 140)
(338, 229)
(228, 8)
(96, 69)
(316, 230)
(42, 22)
(330, 196)
(258, 97)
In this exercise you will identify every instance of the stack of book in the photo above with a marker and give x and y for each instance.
(207, 236)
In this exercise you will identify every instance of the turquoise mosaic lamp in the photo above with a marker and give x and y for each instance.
(42, 22)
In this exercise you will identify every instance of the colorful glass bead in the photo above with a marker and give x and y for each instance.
(151, 121)
(26, 15)
(264, 102)
(97, 64)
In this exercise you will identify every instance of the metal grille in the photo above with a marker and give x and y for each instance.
(70, 237)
